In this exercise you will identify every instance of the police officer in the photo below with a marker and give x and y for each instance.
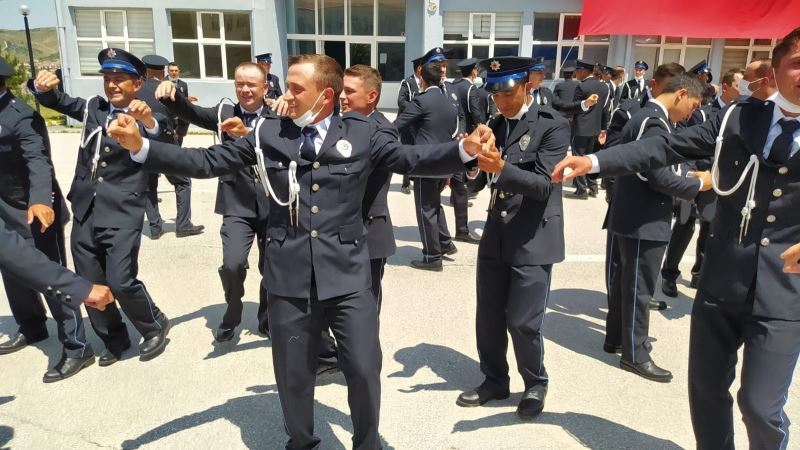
(523, 237)
(702, 71)
(431, 119)
(317, 262)
(637, 87)
(745, 297)
(241, 199)
(541, 95)
(108, 201)
(564, 92)
(30, 205)
(409, 88)
(174, 75)
(274, 90)
(183, 185)
(591, 119)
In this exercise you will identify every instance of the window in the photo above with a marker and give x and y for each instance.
(657, 50)
(480, 35)
(209, 44)
(555, 37)
(739, 52)
(370, 32)
(96, 29)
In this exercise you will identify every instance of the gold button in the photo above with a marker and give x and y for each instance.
(770, 218)
(107, 150)
(314, 209)
(315, 165)
(315, 187)
(103, 164)
(314, 233)
(503, 214)
(777, 192)
(100, 180)
(501, 195)
(783, 170)
(764, 242)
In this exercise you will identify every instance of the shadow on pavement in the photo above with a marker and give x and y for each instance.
(259, 419)
(590, 431)
(458, 371)
(6, 434)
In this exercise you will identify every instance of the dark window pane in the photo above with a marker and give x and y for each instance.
(335, 49)
(237, 27)
(738, 42)
(480, 51)
(567, 54)
(235, 55)
(506, 50)
(390, 60)
(545, 27)
(647, 39)
(391, 18)
(360, 54)
(571, 26)
(213, 59)
(767, 42)
(211, 27)
(597, 38)
(331, 16)
(188, 58)
(184, 25)
(596, 53)
(673, 40)
(455, 54)
(361, 13)
(300, 16)
(297, 47)
(698, 41)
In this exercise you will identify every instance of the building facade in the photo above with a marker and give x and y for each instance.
(208, 38)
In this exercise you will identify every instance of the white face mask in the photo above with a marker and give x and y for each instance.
(477, 82)
(744, 87)
(521, 112)
(783, 103)
(307, 118)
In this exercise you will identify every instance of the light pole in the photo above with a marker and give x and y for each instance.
(25, 10)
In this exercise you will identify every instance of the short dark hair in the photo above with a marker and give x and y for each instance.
(251, 65)
(466, 71)
(730, 76)
(173, 63)
(368, 75)
(668, 70)
(684, 81)
(432, 73)
(787, 44)
(709, 92)
(763, 66)
(327, 72)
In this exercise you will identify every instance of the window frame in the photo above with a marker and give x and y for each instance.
(483, 42)
(104, 37)
(752, 47)
(662, 45)
(578, 42)
(201, 41)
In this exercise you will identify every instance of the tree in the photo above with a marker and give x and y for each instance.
(16, 83)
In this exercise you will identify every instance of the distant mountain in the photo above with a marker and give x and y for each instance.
(45, 44)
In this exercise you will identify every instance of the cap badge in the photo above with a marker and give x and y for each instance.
(495, 65)
(111, 53)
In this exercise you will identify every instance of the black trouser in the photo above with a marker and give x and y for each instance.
(613, 334)
(681, 237)
(511, 300)
(459, 199)
(633, 284)
(770, 354)
(237, 235)
(430, 218)
(110, 256)
(582, 146)
(183, 201)
(406, 181)
(296, 325)
(26, 305)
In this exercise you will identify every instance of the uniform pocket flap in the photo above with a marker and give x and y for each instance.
(351, 232)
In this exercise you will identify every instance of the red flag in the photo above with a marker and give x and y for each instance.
(692, 18)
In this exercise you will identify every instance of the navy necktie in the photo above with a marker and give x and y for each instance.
(307, 147)
(780, 152)
(249, 119)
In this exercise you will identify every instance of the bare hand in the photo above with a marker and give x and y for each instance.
(791, 259)
(125, 131)
(591, 101)
(166, 89)
(461, 136)
(192, 98)
(140, 111)
(705, 176)
(234, 127)
(480, 141)
(571, 167)
(99, 297)
(280, 106)
(601, 138)
(44, 213)
(491, 161)
(45, 81)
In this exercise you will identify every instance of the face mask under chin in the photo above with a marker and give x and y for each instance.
(307, 118)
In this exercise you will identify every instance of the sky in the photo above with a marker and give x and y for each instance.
(43, 14)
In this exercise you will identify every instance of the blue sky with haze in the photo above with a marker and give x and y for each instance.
(43, 14)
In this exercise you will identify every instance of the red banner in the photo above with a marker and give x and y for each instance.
(691, 18)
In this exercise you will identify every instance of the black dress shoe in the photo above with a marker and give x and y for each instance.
(648, 370)
(405, 189)
(532, 402)
(224, 334)
(154, 346)
(656, 305)
(264, 330)
(695, 281)
(479, 396)
(669, 288)
(191, 230)
(468, 238)
(110, 356)
(156, 234)
(66, 368)
(435, 266)
(18, 342)
(577, 195)
(327, 369)
(611, 348)
(593, 194)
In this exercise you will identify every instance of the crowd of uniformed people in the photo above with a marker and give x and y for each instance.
(304, 170)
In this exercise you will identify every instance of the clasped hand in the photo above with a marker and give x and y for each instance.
(481, 144)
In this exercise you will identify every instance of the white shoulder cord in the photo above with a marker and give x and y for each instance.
(96, 132)
(469, 108)
(676, 169)
(753, 164)
(219, 117)
(294, 185)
